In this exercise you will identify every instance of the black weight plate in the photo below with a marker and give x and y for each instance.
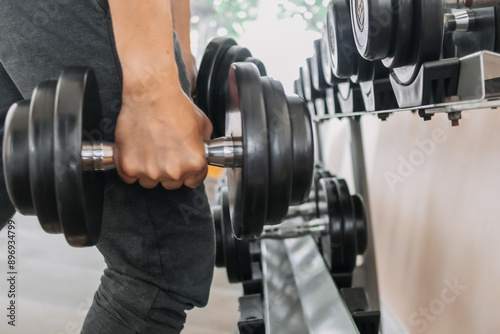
(427, 39)
(300, 84)
(260, 65)
(303, 149)
(213, 53)
(361, 224)
(314, 93)
(219, 236)
(280, 150)
(229, 242)
(497, 29)
(41, 156)
(16, 157)
(372, 24)
(318, 77)
(305, 76)
(297, 87)
(402, 34)
(343, 53)
(334, 240)
(220, 87)
(80, 194)
(344, 258)
(237, 255)
(365, 71)
(248, 186)
(326, 61)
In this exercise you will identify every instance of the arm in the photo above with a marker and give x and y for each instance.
(159, 133)
(181, 16)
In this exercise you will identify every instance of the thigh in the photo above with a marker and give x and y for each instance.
(40, 38)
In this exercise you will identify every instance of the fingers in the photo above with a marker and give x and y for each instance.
(172, 175)
(195, 180)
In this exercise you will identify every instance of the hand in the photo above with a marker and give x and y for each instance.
(190, 62)
(159, 138)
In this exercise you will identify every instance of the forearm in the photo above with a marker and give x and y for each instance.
(144, 41)
(181, 16)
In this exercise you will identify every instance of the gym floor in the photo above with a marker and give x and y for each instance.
(56, 284)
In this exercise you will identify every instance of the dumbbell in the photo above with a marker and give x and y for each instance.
(346, 62)
(211, 85)
(64, 145)
(405, 33)
(342, 221)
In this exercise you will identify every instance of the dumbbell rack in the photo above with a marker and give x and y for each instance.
(445, 86)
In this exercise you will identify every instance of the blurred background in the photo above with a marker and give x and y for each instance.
(434, 195)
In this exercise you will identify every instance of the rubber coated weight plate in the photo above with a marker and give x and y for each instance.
(427, 39)
(80, 194)
(236, 252)
(402, 34)
(16, 157)
(305, 75)
(229, 242)
(219, 236)
(280, 150)
(318, 77)
(41, 156)
(219, 91)
(300, 85)
(372, 23)
(343, 52)
(260, 65)
(497, 29)
(364, 71)
(248, 186)
(344, 255)
(333, 242)
(361, 225)
(296, 87)
(303, 149)
(326, 61)
(213, 53)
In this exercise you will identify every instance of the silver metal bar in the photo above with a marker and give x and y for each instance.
(224, 152)
(294, 228)
(97, 156)
(323, 308)
(460, 20)
(367, 275)
(307, 209)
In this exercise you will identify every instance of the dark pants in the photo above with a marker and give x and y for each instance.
(158, 244)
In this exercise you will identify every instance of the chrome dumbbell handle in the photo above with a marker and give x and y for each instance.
(460, 20)
(307, 209)
(294, 228)
(224, 152)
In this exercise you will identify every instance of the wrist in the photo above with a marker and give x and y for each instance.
(150, 81)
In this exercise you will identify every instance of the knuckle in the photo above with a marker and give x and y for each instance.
(171, 185)
(129, 169)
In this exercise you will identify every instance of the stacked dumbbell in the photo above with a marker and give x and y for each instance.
(410, 37)
(332, 215)
(336, 79)
(54, 157)
(389, 54)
